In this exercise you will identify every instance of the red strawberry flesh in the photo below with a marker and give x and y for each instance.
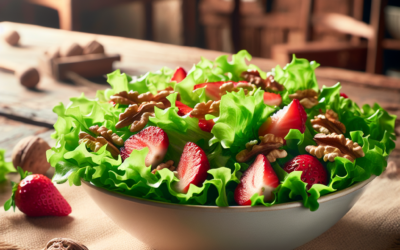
(192, 168)
(37, 196)
(272, 99)
(179, 75)
(151, 137)
(292, 116)
(313, 170)
(259, 178)
(343, 95)
(205, 125)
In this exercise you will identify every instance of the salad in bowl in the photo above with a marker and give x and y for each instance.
(224, 134)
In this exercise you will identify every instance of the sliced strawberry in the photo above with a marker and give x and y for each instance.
(35, 195)
(183, 109)
(259, 178)
(291, 116)
(151, 137)
(179, 75)
(192, 168)
(272, 99)
(313, 171)
(343, 95)
(212, 89)
(205, 125)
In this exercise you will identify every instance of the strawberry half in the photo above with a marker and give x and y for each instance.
(35, 195)
(212, 89)
(291, 116)
(272, 99)
(313, 171)
(258, 178)
(151, 137)
(343, 95)
(179, 75)
(205, 125)
(192, 168)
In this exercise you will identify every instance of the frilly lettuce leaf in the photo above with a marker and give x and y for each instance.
(297, 75)
(5, 167)
(137, 180)
(240, 118)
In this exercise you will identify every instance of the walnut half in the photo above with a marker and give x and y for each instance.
(204, 108)
(95, 144)
(269, 84)
(169, 164)
(328, 123)
(334, 145)
(268, 146)
(308, 98)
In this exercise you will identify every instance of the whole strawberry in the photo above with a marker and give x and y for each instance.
(313, 170)
(35, 195)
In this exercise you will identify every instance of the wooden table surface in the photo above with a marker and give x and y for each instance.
(25, 112)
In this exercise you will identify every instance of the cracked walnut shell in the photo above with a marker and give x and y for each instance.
(334, 145)
(268, 144)
(328, 123)
(308, 98)
(64, 244)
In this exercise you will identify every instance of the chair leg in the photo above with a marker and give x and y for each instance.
(69, 15)
(148, 24)
(189, 15)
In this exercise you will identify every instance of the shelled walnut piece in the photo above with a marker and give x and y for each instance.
(94, 144)
(107, 134)
(169, 164)
(134, 113)
(328, 123)
(269, 84)
(205, 108)
(133, 97)
(308, 97)
(268, 146)
(64, 244)
(334, 145)
(229, 87)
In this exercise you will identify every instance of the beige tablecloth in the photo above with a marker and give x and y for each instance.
(373, 223)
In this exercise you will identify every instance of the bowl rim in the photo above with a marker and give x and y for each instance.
(293, 204)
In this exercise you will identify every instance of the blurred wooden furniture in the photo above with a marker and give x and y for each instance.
(353, 53)
(23, 113)
(252, 28)
(69, 12)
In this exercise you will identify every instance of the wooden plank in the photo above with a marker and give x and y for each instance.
(360, 78)
(393, 44)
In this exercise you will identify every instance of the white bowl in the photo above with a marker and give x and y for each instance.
(171, 226)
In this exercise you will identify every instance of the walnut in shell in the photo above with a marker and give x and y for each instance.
(64, 244)
(93, 47)
(71, 49)
(11, 37)
(30, 155)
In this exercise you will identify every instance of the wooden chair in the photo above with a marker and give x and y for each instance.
(69, 14)
(251, 27)
(354, 53)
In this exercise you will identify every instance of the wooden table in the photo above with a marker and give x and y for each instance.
(24, 112)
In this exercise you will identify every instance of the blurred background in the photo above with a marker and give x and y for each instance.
(361, 35)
